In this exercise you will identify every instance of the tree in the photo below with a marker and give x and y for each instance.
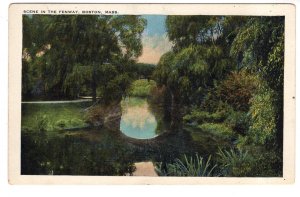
(197, 60)
(260, 43)
(94, 50)
(186, 30)
(143, 70)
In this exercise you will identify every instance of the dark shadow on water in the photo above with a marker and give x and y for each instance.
(100, 152)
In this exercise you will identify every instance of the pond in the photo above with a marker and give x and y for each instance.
(137, 120)
(144, 135)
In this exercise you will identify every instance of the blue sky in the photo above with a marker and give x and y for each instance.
(154, 39)
(155, 24)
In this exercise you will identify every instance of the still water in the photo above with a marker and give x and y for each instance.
(144, 135)
(137, 120)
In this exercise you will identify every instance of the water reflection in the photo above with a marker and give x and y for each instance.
(101, 151)
(137, 120)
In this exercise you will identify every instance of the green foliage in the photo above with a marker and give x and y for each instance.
(260, 44)
(187, 30)
(61, 123)
(232, 93)
(187, 72)
(239, 121)
(142, 87)
(263, 117)
(164, 68)
(41, 123)
(79, 52)
(267, 163)
(199, 117)
(218, 129)
(143, 70)
(237, 89)
(53, 116)
(187, 167)
(236, 163)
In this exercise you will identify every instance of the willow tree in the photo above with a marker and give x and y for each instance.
(89, 50)
(193, 30)
(260, 43)
(199, 58)
(33, 45)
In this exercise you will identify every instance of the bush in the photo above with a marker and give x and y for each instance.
(237, 89)
(263, 117)
(187, 167)
(236, 163)
(141, 87)
(203, 116)
(218, 129)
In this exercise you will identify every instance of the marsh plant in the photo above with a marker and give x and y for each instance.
(196, 166)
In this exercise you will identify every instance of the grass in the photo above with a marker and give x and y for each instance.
(53, 116)
(141, 87)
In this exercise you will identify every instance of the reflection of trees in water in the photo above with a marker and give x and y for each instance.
(102, 151)
(74, 155)
(99, 152)
(161, 116)
(138, 115)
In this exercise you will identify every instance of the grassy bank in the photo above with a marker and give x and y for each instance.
(54, 116)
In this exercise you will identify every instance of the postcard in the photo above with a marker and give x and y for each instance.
(151, 93)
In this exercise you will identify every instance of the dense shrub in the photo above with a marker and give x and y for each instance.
(263, 117)
(236, 91)
(218, 129)
(141, 87)
(199, 117)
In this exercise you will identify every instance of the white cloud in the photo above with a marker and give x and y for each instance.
(154, 47)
